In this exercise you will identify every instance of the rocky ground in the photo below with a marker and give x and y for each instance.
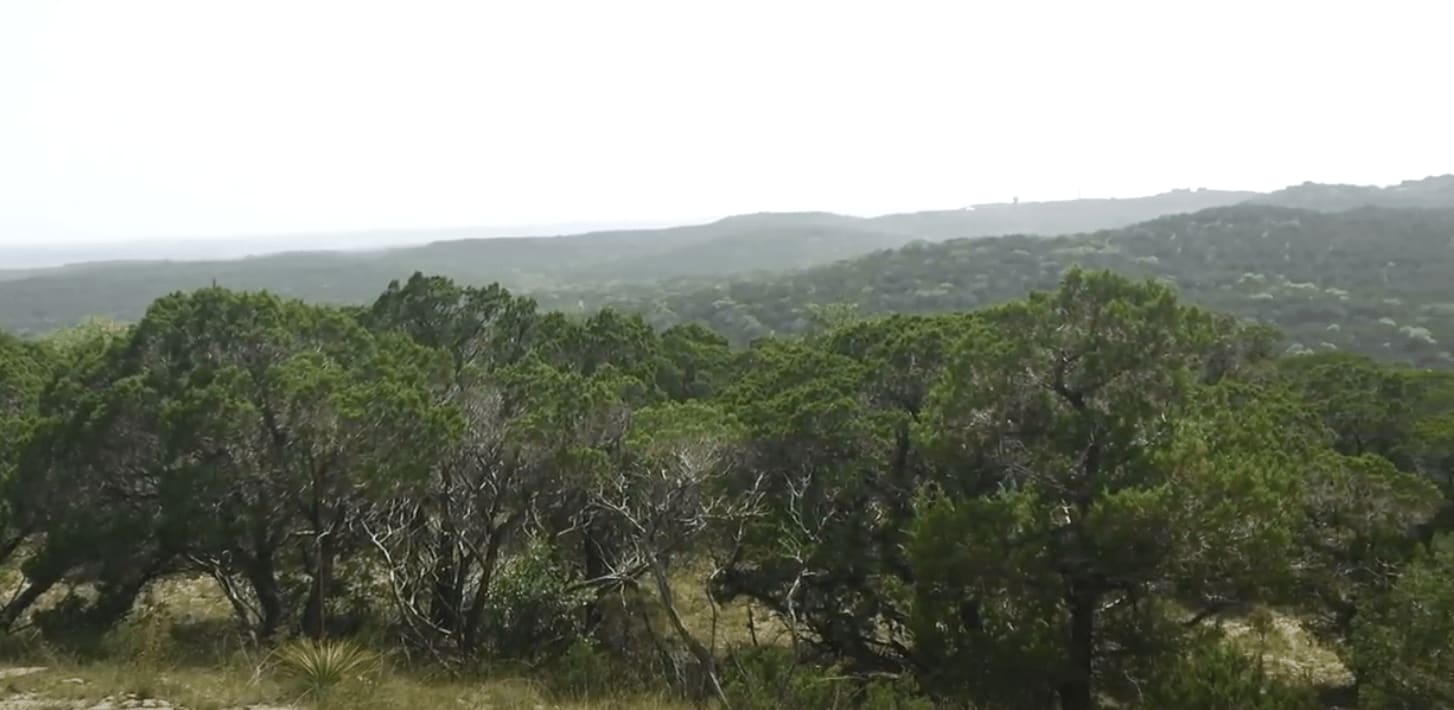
(11, 699)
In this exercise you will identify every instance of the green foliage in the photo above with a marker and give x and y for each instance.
(24, 370)
(1319, 278)
(1097, 481)
(766, 678)
(535, 610)
(1044, 502)
(1211, 675)
(1402, 639)
(583, 671)
(1364, 405)
(321, 666)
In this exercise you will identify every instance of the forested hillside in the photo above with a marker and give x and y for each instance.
(1069, 500)
(1370, 280)
(51, 298)
(1431, 192)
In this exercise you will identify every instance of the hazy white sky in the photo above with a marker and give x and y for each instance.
(156, 118)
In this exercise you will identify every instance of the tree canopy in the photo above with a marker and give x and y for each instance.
(1055, 501)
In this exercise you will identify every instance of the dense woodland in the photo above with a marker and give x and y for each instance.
(1374, 281)
(1061, 500)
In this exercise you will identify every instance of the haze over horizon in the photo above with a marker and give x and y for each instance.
(166, 119)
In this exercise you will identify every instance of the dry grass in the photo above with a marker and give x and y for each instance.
(1288, 648)
(178, 646)
(238, 686)
(732, 626)
(200, 689)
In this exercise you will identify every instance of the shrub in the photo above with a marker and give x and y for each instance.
(322, 665)
(1211, 675)
(768, 678)
(583, 671)
(533, 614)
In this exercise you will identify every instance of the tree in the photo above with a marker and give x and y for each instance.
(23, 372)
(670, 496)
(1364, 404)
(1092, 483)
(1402, 639)
(530, 434)
(86, 483)
(1360, 529)
(826, 554)
(265, 421)
(531, 418)
(694, 362)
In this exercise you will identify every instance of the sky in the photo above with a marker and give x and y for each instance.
(192, 119)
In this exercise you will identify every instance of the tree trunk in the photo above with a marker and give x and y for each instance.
(595, 568)
(11, 544)
(264, 581)
(117, 597)
(446, 597)
(22, 601)
(470, 637)
(315, 615)
(702, 653)
(1076, 689)
(325, 552)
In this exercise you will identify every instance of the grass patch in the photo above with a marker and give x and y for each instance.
(243, 685)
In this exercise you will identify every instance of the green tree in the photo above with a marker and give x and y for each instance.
(1402, 639)
(668, 498)
(1363, 403)
(270, 422)
(24, 370)
(694, 362)
(1094, 483)
(1361, 521)
(825, 555)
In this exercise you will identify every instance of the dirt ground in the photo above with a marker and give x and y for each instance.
(14, 700)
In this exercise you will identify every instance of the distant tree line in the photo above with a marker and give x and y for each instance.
(1368, 281)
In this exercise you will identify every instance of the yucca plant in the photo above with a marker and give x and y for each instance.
(321, 665)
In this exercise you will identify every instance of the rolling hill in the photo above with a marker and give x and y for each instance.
(1372, 280)
(1336, 266)
(40, 300)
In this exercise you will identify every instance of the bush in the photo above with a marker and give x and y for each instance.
(1211, 675)
(895, 694)
(532, 615)
(583, 671)
(768, 678)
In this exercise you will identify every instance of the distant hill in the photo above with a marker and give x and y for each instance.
(1369, 280)
(17, 256)
(1432, 192)
(42, 300)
